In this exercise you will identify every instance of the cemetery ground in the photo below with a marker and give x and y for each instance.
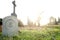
(36, 33)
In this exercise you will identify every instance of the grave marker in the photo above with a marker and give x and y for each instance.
(10, 24)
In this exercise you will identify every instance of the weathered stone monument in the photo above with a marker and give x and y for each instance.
(10, 24)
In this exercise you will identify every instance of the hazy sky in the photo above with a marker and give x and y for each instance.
(31, 9)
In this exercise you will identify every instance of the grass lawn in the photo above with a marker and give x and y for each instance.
(43, 34)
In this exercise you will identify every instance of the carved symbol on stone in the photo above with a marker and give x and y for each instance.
(9, 23)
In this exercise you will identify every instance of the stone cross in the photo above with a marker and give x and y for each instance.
(14, 5)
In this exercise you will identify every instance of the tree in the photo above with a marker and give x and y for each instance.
(38, 21)
(0, 21)
(53, 21)
(30, 23)
(58, 20)
(20, 24)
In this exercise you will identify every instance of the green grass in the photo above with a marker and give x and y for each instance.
(43, 34)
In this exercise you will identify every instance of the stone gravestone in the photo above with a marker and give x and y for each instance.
(10, 24)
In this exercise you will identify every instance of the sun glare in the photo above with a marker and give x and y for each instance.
(32, 9)
(34, 18)
(43, 21)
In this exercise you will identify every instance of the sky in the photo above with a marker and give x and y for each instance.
(31, 9)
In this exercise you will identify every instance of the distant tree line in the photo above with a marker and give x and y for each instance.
(52, 21)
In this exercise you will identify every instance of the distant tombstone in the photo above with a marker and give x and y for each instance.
(10, 26)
